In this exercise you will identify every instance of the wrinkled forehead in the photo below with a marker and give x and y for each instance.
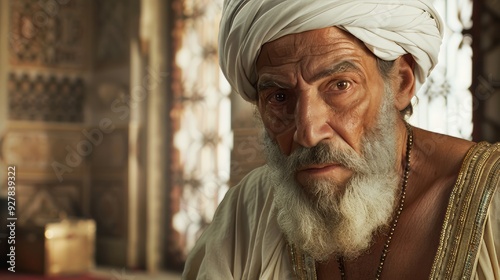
(318, 42)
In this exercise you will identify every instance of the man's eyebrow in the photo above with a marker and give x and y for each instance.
(343, 66)
(267, 83)
(340, 67)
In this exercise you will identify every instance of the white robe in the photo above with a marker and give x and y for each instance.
(244, 240)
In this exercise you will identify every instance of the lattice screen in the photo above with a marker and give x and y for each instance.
(204, 138)
(445, 101)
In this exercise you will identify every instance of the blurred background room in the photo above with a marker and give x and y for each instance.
(125, 135)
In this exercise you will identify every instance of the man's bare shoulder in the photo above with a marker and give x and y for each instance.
(436, 161)
(439, 152)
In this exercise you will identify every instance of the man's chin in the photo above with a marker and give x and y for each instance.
(324, 219)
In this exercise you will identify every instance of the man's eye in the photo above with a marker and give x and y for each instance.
(278, 97)
(342, 85)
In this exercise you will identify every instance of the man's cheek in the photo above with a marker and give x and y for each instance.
(285, 140)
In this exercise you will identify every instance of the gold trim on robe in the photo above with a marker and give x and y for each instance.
(466, 215)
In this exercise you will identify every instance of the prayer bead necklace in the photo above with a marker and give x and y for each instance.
(409, 145)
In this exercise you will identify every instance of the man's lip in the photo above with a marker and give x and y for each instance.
(318, 167)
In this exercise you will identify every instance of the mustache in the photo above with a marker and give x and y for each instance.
(324, 153)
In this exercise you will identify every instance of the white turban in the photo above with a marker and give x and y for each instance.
(389, 28)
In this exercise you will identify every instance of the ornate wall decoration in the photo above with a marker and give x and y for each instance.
(27, 149)
(47, 33)
(34, 147)
(202, 110)
(112, 28)
(42, 202)
(445, 101)
(45, 98)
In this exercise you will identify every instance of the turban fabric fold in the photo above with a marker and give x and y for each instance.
(389, 28)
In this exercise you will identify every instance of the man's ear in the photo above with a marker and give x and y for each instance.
(404, 81)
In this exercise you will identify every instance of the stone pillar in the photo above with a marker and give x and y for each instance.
(157, 128)
(136, 258)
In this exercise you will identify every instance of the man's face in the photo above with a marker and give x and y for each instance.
(331, 140)
(321, 86)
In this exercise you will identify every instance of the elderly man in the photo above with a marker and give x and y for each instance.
(350, 191)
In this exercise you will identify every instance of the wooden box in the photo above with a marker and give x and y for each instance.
(56, 248)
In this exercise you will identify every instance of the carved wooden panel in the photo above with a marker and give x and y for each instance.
(47, 33)
(46, 151)
(39, 202)
(64, 166)
(45, 98)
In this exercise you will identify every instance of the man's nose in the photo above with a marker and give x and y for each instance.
(312, 115)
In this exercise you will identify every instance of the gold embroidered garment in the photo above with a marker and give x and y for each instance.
(244, 240)
(467, 248)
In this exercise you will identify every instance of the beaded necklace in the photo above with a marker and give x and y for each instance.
(385, 250)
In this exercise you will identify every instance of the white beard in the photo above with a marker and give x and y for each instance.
(331, 219)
